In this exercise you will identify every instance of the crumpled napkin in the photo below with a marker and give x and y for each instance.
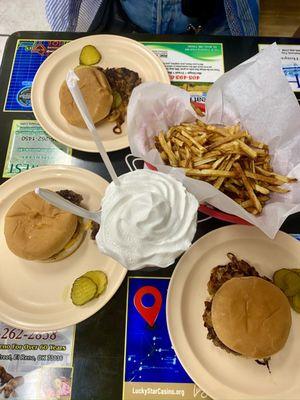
(255, 94)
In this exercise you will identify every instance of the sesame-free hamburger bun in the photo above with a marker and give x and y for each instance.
(251, 316)
(36, 230)
(96, 92)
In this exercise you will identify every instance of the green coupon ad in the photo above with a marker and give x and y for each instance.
(190, 62)
(30, 146)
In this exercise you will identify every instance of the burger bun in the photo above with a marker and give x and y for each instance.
(251, 316)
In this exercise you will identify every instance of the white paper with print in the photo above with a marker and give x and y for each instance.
(290, 58)
(36, 365)
(248, 94)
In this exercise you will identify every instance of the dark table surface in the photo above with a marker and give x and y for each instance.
(99, 344)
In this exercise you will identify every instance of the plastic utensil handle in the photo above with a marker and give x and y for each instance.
(72, 80)
(59, 202)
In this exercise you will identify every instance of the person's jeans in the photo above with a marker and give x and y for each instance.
(165, 16)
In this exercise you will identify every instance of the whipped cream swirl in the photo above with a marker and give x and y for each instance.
(149, 220)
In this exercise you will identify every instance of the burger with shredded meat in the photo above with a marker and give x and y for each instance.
(247, 314)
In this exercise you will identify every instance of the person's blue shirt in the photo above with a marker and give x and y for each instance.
(237, 17)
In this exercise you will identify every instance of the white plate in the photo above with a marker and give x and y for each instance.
(117, 51)
(221, 375)
(36, 295)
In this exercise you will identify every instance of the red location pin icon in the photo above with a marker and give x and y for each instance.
(149, 314)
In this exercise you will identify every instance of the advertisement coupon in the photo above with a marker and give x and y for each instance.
(30, 146)
(36, 366)
(190, 62)
(151, 367)
(191, 66)
(290, 57)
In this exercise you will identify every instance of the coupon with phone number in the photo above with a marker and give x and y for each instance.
(36, 366)
(192, 66)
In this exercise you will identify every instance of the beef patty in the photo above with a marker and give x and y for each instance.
(76, 198)
(122, 81)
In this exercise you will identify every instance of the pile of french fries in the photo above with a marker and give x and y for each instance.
(225, 156)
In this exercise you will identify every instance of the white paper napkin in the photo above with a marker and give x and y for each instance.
(255, 94)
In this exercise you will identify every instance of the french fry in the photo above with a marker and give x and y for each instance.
(230, 187)
(196, 144)
(164, 156)
(184, 139)
(263, 171)
(251, 153)
(248, 187)
(261, 189)
(236, 182)
(204, 161)
(196, 151)
(284, 179)
(278, 189)
(257, 144)
(247, 204)
(260, 152)
(232, 147)
(209, 172)
(228, 167)
(218, 162)
(167, 150)
(177, 155)
(263, 199)
(213, 153)
(226, 140)
(262, 178)
(203, 166)
(210, 178)
(201, 139)
(281, 178)
(252, 210)
(177, 141)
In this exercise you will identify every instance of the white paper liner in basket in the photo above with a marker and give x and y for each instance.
(255, 94)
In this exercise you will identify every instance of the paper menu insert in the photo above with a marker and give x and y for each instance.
(151, 367)
(41, 363)
(30, 146)
(29, 55)
(290, 58)
(192, 66)
(190, 62)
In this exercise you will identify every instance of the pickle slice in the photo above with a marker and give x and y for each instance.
(278, 278)
(297, 270)
(292, 283)
(296, 303)
(83, 290)
(89, 55)
(99, 278)
(117, 100)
